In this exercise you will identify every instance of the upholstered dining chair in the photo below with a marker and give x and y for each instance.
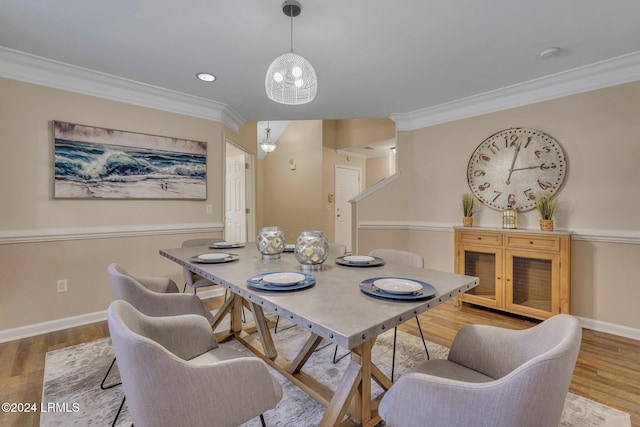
(336, 250)
(153, 296)
(190, 278)
(174, 373)
(493, 377)
(409, 259)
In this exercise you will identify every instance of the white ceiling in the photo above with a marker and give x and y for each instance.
(373, 58)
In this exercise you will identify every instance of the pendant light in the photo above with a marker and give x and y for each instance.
(267, 145)
(291, 79)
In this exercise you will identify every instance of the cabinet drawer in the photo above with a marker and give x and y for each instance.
(524, 241)
(480, 237)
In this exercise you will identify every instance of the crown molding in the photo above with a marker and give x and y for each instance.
(29, 68)
(611, 72)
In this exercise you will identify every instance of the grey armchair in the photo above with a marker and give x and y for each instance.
(493, 377)
(412, 260)
(174, 373)
(153, 296)
(191, 278)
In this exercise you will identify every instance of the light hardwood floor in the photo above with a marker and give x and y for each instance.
(608, 368)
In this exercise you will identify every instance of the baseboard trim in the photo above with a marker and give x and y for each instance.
(73, 321)
(610, 328)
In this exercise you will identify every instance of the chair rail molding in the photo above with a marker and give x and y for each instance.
(34, 69)
(84, 233)
(631, 237)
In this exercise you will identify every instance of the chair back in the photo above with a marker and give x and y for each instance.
(535, 364)
(150, 373)
(173, 372)
(336, 250)
(396, 256)
(494, 377)
(131, 289)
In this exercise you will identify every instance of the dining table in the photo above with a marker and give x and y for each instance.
(338, 303)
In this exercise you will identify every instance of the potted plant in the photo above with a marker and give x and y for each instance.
(467, 209)
(546, 206)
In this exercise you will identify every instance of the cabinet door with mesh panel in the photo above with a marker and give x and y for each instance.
(486, 264)
(532, 283)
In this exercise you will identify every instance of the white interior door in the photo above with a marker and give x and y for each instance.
(235, 224)
(347, 186)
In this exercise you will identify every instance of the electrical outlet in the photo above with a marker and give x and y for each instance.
(209, 209)
(62, 285)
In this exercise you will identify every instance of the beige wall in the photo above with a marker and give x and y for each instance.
(29, 271)
(361, 132)
(379, 168)
(299, 200)
(292, 197)
(600, 133)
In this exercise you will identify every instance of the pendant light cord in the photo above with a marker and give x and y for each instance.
(291, 17)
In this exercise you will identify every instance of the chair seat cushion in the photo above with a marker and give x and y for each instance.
(201, 282)
(446, 369)
(216, 355)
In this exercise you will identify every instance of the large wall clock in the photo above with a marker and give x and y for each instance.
(510, 167)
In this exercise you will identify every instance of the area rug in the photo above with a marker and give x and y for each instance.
(72, 378)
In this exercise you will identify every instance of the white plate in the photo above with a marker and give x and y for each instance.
(283, 279)
(212, 257)
(398, 286)
(358, 258)
(226, 245)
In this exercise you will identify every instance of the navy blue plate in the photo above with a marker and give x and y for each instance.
(256, 282)
(231, 257)
(367, 287)
(376, 262)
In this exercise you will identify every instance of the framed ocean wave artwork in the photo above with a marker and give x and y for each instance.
(98, 163)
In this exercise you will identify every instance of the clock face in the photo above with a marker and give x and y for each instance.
(510, 167)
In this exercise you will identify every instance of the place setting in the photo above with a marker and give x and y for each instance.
(397, 288)
(359, 261)
(281, 281)
(226, 245)
(214, 258)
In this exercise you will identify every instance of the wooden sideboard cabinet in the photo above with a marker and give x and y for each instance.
(523, 272)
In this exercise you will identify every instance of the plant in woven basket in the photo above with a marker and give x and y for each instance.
(468, 204)
(546, 205)
(467, 209)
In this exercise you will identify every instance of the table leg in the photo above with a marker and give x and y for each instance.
(354, 389)
(304, 354)
(262, 325)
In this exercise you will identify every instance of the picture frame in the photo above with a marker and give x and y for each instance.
(99, 163)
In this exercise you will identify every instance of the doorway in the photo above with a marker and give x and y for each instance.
(238, 200)
(347, 186)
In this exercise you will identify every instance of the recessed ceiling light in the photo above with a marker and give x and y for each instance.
(549, 53)
(206, 77)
